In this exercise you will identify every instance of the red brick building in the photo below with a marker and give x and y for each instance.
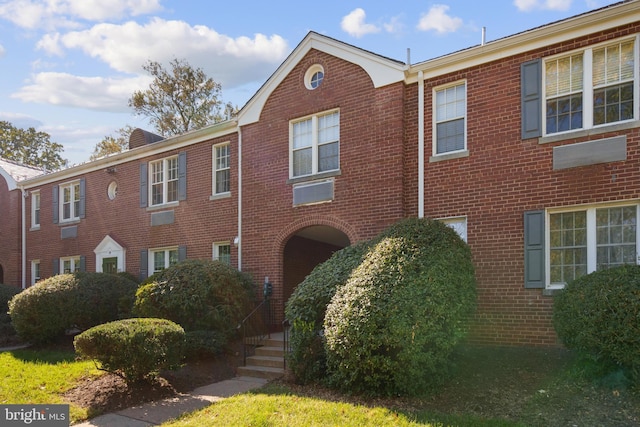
(527, 145)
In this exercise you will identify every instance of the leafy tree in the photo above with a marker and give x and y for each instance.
(113, 144)
(180, 99)
(29, 147)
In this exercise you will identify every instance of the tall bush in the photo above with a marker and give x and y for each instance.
(70, 301)
(7, 331)
(598, 315)
(392, 327)
(199, 295)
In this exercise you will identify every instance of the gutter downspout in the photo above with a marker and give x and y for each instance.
(23, 244)
(239, 237)
(420, 144)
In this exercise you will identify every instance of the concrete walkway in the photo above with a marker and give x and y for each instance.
(155, 413)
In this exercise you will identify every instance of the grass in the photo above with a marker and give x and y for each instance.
(275, 405)
(41, 377)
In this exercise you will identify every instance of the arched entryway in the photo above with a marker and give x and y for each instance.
(307, 248)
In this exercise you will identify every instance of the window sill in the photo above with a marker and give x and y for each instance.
(220, 196)
(589, 132)
(449, 156)
(161, 207)
(35, 228)
(551, 292)
(308, 178)
(68, 222)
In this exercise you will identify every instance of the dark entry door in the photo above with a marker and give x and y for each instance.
(110, 265)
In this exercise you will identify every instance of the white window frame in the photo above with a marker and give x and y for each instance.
(458, 224)
(35, 210)
(74, 205)
(588, 88)
(216, 169)
(436, 121)
(591, 234)
(217, 256)
(315, 160)
(164, 181)
(167, 258)
(35, 271)
(74, 264)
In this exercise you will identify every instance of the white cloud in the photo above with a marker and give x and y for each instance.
(529, 5)
(49, 14)
(394, 25)
(438, 20)
(126, 47)
(22, 121)
(354, 24)
(94, 93)
(2, 51)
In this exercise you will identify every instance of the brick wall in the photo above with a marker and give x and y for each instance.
(503, 177)
(10, 223)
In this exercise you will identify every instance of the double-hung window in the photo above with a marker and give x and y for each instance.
(35, 271)
(70, 201)
(450, 105)
(591, 88)
(70, 264)
(222, 252)
(163, 181)
(315, 144)
(589, 239)
(221, 169)
(35, 210)
(163, 258)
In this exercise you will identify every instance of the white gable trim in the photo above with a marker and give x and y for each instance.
(382, 71)
(11, 183)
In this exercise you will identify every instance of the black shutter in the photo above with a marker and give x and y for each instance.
(83, 189)
(56, 267)
(182, 176)
(144, 264)
(144, 190)
(531, 98)
(56, 212)
(83, 263)
(534, 257)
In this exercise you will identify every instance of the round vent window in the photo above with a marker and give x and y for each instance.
(112, 190)
(314, 76)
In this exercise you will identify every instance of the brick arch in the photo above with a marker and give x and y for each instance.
(287, 232)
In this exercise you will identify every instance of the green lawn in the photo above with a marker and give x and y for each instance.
(30, 376)
(275, 406)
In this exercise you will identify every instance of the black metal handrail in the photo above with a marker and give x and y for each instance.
(256, 327)
(286, 344)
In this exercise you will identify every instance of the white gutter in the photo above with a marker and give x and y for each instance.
(24, 195)
(420, 144)
(239, 236)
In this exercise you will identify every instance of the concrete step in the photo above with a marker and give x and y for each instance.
(260, 372)
(267, 361)
(270, 351)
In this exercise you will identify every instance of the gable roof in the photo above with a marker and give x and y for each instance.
(381, 70)
(13, 172)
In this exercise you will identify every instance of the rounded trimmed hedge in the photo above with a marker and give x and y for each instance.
(598, 315)
(199, 295)
(80, 301)
(136, 349)
(392, 311)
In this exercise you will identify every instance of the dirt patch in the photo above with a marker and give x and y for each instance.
(109, 392)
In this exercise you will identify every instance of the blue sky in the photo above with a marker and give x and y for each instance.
(68, 67)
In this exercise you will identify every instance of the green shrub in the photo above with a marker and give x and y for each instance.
(391, 328)
(70, 301)
(203, 343)
(198, 295)
(135, 349)
(306, 309)
(598, 315)
(7, 331)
